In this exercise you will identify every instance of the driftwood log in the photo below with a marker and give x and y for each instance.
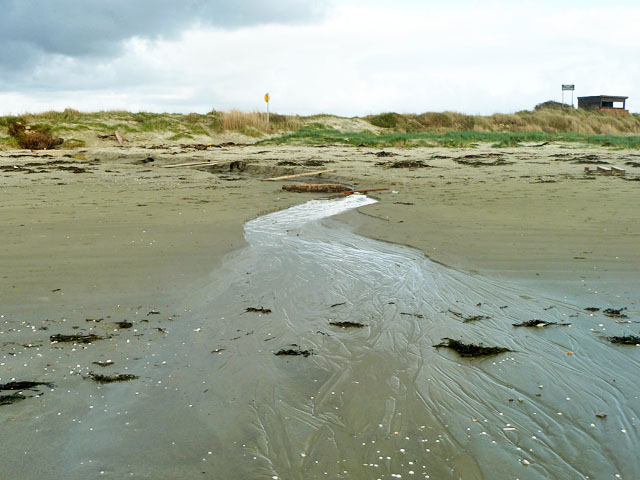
(307, 174)
(315, 187)
(115, 136)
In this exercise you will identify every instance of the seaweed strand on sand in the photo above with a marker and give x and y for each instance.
(625, 340)
(103, 379)
(258, 310)
(18, 387)
(24, 385)
(295, 351)
(470, 349)
(348, 324)
(76, 338)
(539, 323)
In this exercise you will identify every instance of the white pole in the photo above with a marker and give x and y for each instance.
(267, 112)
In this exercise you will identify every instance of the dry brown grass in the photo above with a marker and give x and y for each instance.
(548, 120)
(237, 120)
(73, 124)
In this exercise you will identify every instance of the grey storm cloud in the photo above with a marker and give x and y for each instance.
(30, 29)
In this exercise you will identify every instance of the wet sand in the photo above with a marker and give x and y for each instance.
(124, 240)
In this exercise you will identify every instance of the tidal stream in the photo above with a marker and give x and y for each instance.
(376, 402)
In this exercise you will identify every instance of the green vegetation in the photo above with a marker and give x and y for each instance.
(179, 136)
(548, 122)
(73, 143)
(306, 136)
(72, 123)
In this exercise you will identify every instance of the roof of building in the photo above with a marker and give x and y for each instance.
(606, 98)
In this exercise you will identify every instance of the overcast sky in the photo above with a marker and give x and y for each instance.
(351, 57)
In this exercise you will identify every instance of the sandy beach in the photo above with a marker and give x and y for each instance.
(96, 237)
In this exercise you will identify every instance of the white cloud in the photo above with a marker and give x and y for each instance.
(359, 60)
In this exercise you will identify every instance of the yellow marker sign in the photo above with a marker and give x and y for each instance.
(267, 97)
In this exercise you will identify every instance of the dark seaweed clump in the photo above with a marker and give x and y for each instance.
(625, 340)
(19, 386)
(24, 385)
(385, 154)
(297, 351)
(258, 310)
(538, 323)
(124, 377)
(470, 349)
(592, 309)
(348, 324)
(77, 338)
(475, 318)
(471, 318)
(124, 324)
(13, 398)
(104, 364)
(404, 164)
(615, 312)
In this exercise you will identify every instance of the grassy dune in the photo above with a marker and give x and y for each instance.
(547, 120)
(174, 126)
(315, 136)
(385, 129)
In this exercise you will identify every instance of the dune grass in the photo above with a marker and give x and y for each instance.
(314, 136)
(548, 120)
(449, 129)
(176, 126)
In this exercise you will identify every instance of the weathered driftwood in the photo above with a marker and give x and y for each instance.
(307, 174)
(116, 136)
(119, 138)
(315, 187)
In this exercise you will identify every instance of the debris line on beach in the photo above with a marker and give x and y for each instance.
(316, 187)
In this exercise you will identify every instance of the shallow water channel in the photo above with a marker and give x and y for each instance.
(373, 402)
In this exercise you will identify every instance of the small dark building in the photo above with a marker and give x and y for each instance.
(604, 103)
